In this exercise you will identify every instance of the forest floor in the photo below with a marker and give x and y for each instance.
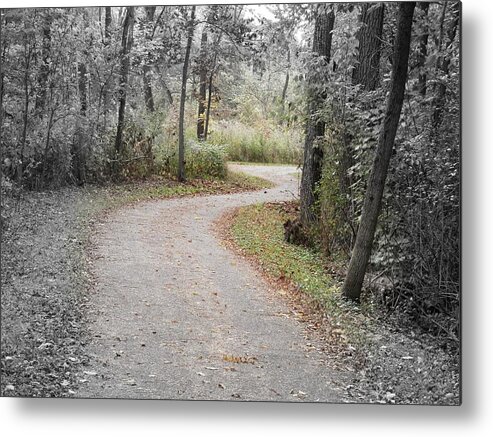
(147, 302)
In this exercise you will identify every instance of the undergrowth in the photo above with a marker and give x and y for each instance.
(258, 232)
(266, 143)
(387, 364)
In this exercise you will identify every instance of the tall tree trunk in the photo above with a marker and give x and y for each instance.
(423, 50)
(25, 112)
(315, 128)
(376, 183)
(209, 102)
(83, 88)
(78, 145)
(107, 24)
(181, 123)
(107, 84)
(124, 70)
(148, 95)
(367, 69)
(443, 64)
(211, 77)
(286, 81)
(44, 70)
(149, 98)
(366, 73)
(3, 46)
(169, 96)
(49, 126)
(202, 86)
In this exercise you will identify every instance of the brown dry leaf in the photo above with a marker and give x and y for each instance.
(239, 360)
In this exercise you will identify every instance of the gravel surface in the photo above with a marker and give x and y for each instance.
(174, 315)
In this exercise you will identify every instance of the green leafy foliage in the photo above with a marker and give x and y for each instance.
(206, 160)
(416, 249)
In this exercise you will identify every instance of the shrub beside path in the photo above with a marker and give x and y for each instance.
(175, 315)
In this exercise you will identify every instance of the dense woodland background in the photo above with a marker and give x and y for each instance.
(97, 95)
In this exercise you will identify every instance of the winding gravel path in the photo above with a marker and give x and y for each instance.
(175, 315)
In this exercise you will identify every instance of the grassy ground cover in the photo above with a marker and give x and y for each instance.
(388, 364)
(258, 231)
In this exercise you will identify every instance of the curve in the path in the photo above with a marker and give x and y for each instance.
(175, 315)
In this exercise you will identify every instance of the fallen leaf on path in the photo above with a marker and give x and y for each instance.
(390, 397)
(237, 359)
(299, 394)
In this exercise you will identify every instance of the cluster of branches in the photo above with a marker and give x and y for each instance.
(79, 87)
(381, 167)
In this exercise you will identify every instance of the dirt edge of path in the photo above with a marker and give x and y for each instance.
(377, 371)
(338, 354)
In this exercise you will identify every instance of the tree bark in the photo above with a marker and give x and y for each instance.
(146, 78)
(367, 69)
(148, 95)
(78, 155)
(44, 70)
(202, 86)
(107, 24)
(443, 65)
(211, 77)
(25, 112)
(423, 51)
(376, 183)
(83, 88)
(286, 81)
(124, 70)
(315, 128)
(209, 102)
(107, 84)
(181, 123)
(2, 60)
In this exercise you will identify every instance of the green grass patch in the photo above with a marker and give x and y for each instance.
(258, 231)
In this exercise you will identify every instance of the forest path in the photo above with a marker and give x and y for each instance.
(175, 315)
